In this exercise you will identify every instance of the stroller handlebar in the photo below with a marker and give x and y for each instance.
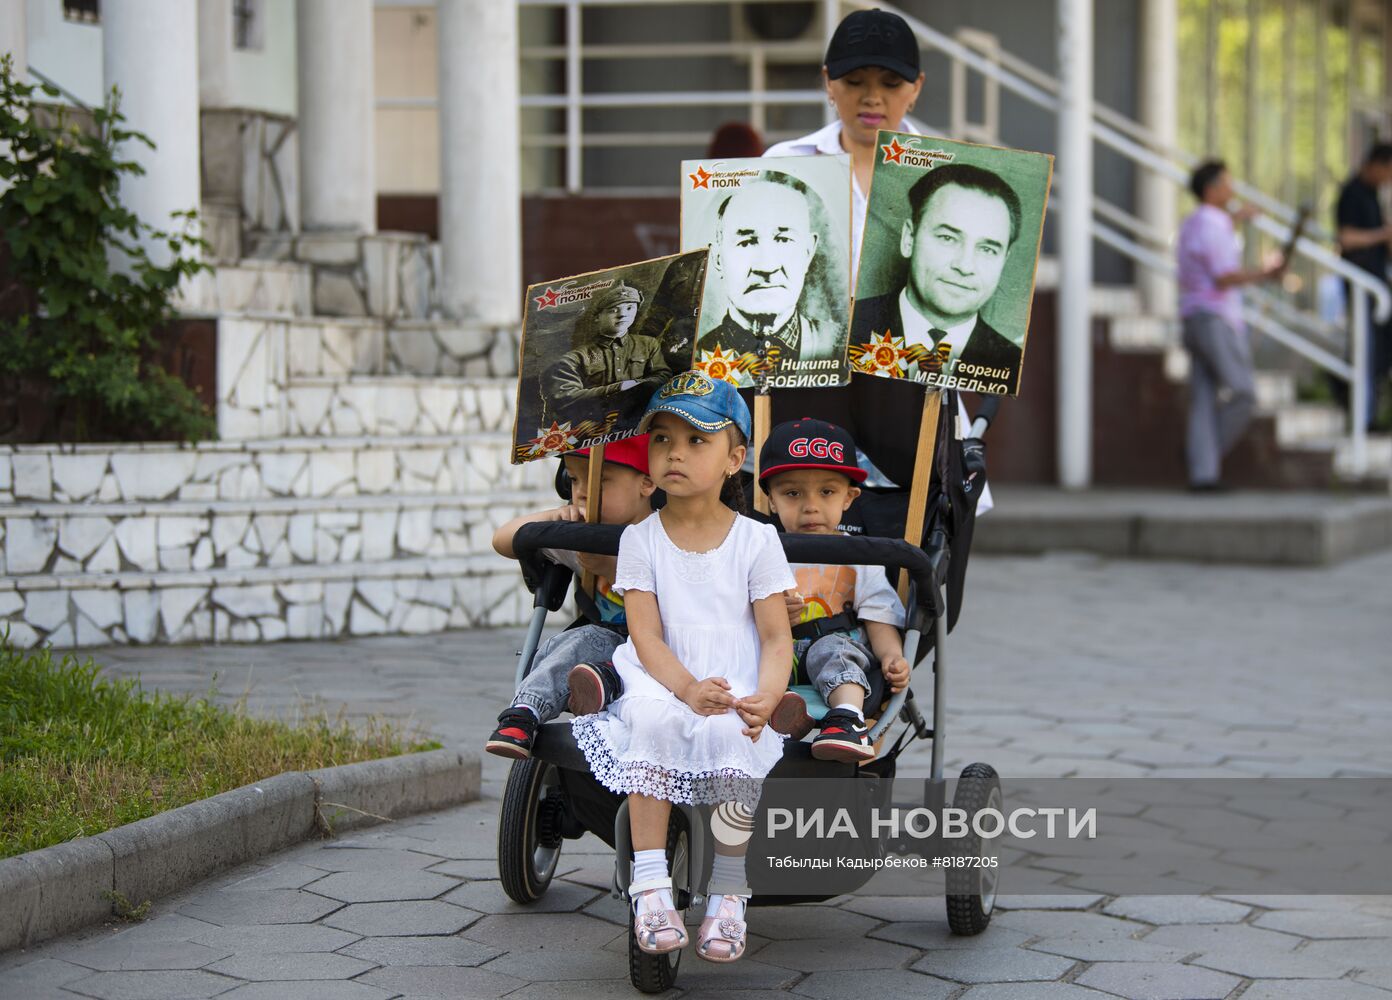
(891, 553)
(984, 416)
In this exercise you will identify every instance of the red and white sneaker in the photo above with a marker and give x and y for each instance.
(844, 737)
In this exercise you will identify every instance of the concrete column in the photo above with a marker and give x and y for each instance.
(1075, 244)
(338, 188)
(150, 52)
(214, 53)
(14, 35)
(480, 163)
(1155, 193)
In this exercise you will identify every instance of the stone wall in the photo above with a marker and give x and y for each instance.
(361, 472)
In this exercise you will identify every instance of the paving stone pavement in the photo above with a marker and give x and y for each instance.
(1063, 665)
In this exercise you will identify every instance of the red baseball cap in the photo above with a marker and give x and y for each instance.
(632, 452)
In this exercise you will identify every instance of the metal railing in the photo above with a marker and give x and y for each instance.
(1299, 331)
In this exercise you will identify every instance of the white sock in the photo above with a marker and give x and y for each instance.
(859, 712)
(650, 865)
(726, 871)
(523, 704)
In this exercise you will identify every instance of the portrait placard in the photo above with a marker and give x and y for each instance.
(596, 346)
(948, 262)
(779, 234)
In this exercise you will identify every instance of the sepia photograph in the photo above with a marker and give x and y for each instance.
(594, 348)
(947, 267)
(778, 291)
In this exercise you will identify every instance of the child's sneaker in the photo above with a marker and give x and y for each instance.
(592, 686)
(844, 737)
(790, 717)
(516, 731)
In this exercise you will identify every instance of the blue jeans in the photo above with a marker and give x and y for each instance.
(544, 689)
(833, 660)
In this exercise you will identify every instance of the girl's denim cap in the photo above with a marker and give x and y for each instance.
(705, 403)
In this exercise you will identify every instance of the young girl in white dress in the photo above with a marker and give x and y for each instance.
(705, 663)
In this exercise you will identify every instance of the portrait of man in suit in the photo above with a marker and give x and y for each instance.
(963, 222)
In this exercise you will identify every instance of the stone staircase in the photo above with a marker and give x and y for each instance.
(1313, 427)
(361, 470)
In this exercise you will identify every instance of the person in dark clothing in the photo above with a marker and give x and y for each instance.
(1363, 241)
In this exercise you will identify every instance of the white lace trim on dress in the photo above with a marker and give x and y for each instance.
(639, 777)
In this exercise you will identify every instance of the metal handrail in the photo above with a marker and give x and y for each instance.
(64, 91)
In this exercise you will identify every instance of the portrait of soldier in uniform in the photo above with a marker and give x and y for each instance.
(963, 222)
(605, 360)
(779, 274)
(595, 346)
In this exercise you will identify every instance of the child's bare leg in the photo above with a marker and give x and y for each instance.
(847, 696)
(647, 822)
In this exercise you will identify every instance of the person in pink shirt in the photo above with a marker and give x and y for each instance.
(1222, 388)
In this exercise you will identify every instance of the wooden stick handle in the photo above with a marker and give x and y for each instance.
(594, 482)
(763, 416)
(923, 478)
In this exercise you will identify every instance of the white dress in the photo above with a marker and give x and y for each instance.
(650, 742)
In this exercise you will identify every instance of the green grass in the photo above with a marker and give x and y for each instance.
(80, 753)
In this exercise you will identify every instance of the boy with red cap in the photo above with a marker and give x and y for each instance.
(844, 618)
(572, 670)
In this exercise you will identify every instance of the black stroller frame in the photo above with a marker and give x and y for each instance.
(552, 796)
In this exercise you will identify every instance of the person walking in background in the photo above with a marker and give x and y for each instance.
(1363, 242)
(1222, 387)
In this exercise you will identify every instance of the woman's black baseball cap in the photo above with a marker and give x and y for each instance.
(809, 444)
(873, 38)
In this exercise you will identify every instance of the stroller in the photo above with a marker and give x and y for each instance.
(553, 797)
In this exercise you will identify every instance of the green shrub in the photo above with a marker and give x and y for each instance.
(85, 330)
(80, 754)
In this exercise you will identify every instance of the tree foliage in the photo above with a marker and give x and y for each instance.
(82, 298)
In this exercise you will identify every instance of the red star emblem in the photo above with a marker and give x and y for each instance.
(894, 151)
(547, 299)
(700, 179)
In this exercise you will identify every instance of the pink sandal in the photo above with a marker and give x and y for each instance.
(722, 937)
(657, 930)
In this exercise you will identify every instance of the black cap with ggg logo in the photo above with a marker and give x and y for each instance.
(809, 444)
(873, 38)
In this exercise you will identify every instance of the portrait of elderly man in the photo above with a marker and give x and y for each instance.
(773, 255)
(962, 223)
(605, 360)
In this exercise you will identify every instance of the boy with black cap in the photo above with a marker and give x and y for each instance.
(843, 617)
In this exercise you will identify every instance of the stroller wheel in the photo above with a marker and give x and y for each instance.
(657, 973)
(528, 845)
(971, 892)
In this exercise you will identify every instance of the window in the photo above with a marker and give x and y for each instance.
(246, 24)
(85, 11)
